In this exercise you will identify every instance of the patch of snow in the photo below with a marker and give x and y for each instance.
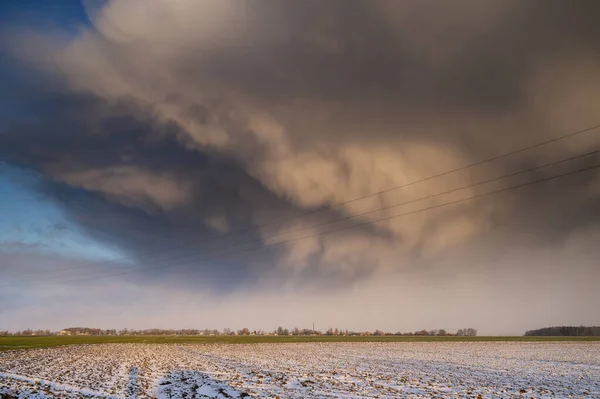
(491, 370)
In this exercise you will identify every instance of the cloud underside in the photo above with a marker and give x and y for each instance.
(166, 123)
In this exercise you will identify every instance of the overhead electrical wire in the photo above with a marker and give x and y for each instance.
(331, 206)
(354, 216)
(369, 222)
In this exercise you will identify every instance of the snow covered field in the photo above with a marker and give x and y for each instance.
(306, 370)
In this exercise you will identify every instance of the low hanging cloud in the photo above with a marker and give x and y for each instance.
(198, 118)
(131, 186)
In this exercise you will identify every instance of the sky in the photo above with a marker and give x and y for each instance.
(221, 163)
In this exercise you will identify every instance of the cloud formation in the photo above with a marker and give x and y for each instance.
(166, 122)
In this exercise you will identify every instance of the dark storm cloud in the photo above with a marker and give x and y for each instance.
(60, 140)
(402, 57)
(155, 137)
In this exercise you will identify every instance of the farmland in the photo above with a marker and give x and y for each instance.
(16, 342)
(403, 369)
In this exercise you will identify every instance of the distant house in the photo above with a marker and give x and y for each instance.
(75, 331)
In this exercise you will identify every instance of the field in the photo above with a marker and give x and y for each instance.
(406, 369)
(9, 343)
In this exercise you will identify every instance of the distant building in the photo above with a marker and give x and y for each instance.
(77, 331)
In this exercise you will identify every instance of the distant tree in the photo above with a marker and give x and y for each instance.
(467, 332)
(471, 332)
(566, 331)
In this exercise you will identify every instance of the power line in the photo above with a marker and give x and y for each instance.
(370, 222)
(335, 205)
(354, 216)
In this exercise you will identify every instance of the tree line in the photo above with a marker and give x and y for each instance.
(565, 331)
(38, 333)
(465, 332)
